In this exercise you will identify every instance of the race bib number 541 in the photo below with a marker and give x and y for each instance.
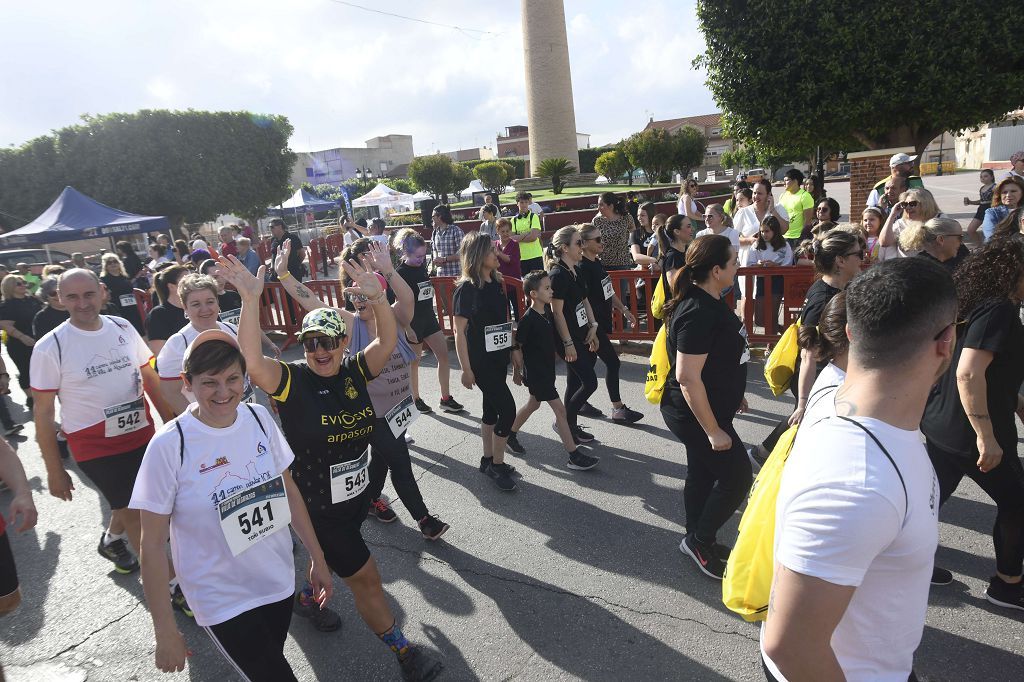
(254, 514)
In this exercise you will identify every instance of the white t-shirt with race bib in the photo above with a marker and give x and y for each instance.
(172, 356)
(842, 516)
(217, 464)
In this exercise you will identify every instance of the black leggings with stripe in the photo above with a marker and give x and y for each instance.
(253, 642)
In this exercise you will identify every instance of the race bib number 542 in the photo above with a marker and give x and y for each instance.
(124, 418)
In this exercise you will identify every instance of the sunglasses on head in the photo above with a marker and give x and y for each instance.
(328, 343)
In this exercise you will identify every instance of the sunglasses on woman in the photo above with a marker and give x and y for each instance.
(912, 203)
(594, 239)
(328, 343)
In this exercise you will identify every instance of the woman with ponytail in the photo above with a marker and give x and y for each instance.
(707, 349)
(575, 323)
(830, 346)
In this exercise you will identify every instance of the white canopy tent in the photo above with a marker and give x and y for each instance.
(386, 198)
(475, 186)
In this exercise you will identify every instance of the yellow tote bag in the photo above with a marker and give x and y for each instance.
(658, 369)
(658, 297)
(781, 363)
(748, 573)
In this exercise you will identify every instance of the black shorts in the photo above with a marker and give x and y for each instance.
(114, 475)
(543, 391)
(424, 326)
(8, 571)
(980, 213)
(338, 532)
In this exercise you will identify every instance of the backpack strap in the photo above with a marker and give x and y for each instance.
(254, 416)
(888, 456)
(181, 437)
(819, 392)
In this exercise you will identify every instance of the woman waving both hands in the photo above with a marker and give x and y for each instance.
(328, 420)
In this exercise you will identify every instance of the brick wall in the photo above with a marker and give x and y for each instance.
(866, 169)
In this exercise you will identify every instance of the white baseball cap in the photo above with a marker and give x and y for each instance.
(897, 159)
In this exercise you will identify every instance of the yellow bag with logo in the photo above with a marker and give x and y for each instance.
(781, 363)
(658, 297)
(658, 369)
(748, 573)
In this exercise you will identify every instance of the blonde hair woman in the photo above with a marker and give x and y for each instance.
(120, 290)
(940, 239)
(484, 344)
(915, 206)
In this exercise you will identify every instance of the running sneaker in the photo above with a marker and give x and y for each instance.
(16, 428)
(178, 601)
(941, 576)
(409, 440)
(707, 560)
(512, 445)
(422, 406)
(450, 405)
(581, 461)
(502, 475)
(486, 462)
(323, 619)
(581, 436)
(432, 527)
(118, 552)
(420, 664)
(624, 415)
(589, 410)
(757, 456)
(381, 510)
(1008, 595)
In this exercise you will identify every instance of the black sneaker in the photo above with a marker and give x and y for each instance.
(941, 576)
(1007, 595)
(323, 619)
(486, 462)
(117, 551)
(589, 410)
(581, 436)
(512, 445)
(178, 601)
(502, 475)
(707, 560)
(450, 405)
(580, 461)
(422, 406)
(624, 415)
(381, 510)
(432, 527)
(420, 664)
(13, 429)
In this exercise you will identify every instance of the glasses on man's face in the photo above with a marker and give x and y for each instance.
(942, 331)
(328, 343)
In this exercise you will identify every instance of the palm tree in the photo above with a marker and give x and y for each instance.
(555, 169)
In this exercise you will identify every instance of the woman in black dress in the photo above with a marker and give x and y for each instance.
(16, 313)
(122, 292)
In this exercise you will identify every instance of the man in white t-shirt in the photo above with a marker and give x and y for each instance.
(857, 512)
(95, 364)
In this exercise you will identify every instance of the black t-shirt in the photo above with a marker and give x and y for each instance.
(229, 300)
(641, 238)
(538, 343)
(594, 274)
(119, 286)
(419, 281)
(953, 263)
(132, 264)
(818, 296)
(992, 326)
(673, 260)
(326, 421)
(46, 320)
(482, 308)
(570, 287)
(22, 312)
(703, 325)
(295, 256)
(164, 321)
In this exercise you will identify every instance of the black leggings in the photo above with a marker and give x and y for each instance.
(1004, 484)
(253, 642)
(390, 453)
(716, 481)
(499, 406)
(21, 355)
(582, 382)
(612, 364)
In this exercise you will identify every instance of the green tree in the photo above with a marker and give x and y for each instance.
(399, 185)
(847, 90)
(556, 169)
(651, 151)
(494, 175)
(590, 155)
(752, 155)
(190, 166)
(611, 165)
(462, 177)
(434, 174)
(688, 146)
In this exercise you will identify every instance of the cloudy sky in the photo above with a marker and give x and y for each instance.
(342, 74)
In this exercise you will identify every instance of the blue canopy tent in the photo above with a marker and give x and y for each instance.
(75, 216)
(302, 202)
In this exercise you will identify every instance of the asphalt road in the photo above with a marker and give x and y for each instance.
(577, 575)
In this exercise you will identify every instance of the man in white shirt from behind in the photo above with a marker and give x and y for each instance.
(856, 531)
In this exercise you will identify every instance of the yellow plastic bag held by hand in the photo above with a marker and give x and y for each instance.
(658, 369)
(781, 362)
(748, 573)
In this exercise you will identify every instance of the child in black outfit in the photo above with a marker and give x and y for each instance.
(537, 343)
